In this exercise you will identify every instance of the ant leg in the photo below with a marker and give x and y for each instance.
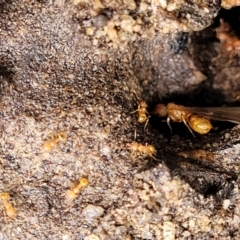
(189, 128)
(153, 157)
(168, 123)
(134, 111)
(146, 123)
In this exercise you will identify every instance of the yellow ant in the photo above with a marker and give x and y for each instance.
(198, 155)
(138, 148)
(55, 139)
(73, 193)
(143, 115)
(179, 113)
(9, 209)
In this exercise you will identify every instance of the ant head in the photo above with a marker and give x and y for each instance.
(151, 149)
(62, 136)
(143, 104)
(160, 110)
(4, 196)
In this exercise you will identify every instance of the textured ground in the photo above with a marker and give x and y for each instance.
(81, 68)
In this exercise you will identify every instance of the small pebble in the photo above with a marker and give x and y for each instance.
(91, 211)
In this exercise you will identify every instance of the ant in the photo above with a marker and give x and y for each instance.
(139, 148)
(73, 193)
(10, 211)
